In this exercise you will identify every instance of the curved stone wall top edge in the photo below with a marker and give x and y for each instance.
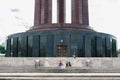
(66, 32)
(61, 26)
(107, 35)
(44, 31)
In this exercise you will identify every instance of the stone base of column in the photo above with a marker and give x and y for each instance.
(61, 26)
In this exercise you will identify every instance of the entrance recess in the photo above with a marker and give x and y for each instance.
(61, 50)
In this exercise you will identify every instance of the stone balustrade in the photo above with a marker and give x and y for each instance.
(32, 64)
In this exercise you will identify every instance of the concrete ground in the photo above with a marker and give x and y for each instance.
(2, 55)
(59, 76)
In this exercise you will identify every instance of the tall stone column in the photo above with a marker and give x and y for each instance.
(85, 12)
(49, 11)
(43, 15)
(37, 19)
(77, 11)
(43, 12)
(61, 11)
(80, 12)
(46, 11)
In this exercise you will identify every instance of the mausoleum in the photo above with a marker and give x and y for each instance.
(61, 39)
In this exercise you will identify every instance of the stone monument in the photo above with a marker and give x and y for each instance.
(61, 39)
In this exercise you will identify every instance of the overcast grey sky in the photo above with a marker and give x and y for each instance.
(104, 16)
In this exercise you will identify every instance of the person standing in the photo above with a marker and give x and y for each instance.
(74, 55)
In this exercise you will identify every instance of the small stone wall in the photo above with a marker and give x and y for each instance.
(2, 55)
(33, 64)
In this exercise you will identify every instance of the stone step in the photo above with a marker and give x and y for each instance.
(59, 76)
(54, 70)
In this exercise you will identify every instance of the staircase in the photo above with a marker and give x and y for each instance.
(37, 69)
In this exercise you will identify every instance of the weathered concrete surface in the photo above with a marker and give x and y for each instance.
(48, 69)
(2, 55)
(59, 76)
(50, 65)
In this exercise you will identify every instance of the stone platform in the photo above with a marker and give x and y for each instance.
(51, 65)
(48, 69)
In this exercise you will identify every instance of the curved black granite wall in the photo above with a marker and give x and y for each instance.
(43, 43)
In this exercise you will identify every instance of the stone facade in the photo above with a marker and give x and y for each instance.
(61, 39)
(44, 44)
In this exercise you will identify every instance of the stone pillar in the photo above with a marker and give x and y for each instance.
(80, 12)
(37, 19)
(46, 11)
(61, 11)
(49, 11)
(43, 12)
(85, 12)
(77, 11)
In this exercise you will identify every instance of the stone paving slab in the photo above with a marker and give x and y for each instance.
(54, 70)
(60, 76)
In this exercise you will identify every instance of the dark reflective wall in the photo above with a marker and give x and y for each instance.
(50, 45)
(93, 47)
(24, 46)
(88, 46)
(44, 44)
(8, 52)
(36, 46)
(99, 47)
(114, 47)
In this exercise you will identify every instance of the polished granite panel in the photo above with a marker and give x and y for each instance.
(114, 47)
(36, 46)
(8, 52)
(24, 46)
(87, 46)
(48, 43)
(43, 46)
(99, 48)
(15, 47)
